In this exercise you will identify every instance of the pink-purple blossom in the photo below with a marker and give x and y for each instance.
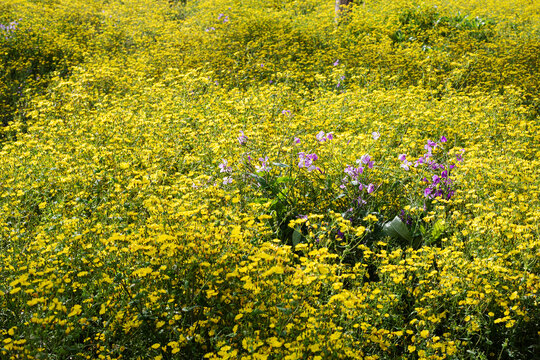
(353, 172)
(366, 160)
(264, 165)
(405, 163)
(242, 138)
(322, 136)
(224, 167)
(306, 161)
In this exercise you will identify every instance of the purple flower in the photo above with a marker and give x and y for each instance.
(242, 139)
(353, 172)
(286, 112)
(435, 179)
(306, 160)
(459, 157)
(349, 170)
(336, 63)
(427, 192)
(402, 157)
(321, 136)
(443, 139)
(296, 140)
(406, 165)
(264, 165)
(375, 135)
(224, 167)
(366, 160)
(227, 180)
(370, 188)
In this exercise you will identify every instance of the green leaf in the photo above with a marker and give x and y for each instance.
(397, 229)
(438, 229)
(281, 165)
(260, 180)
(296, 237)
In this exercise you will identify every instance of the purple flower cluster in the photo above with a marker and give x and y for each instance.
(9, 29)
(224, 17)
(366, 160)
(322, 136)
(242, 138)
(404, 162)
(426, 158)
(440, 185)
(341, 78)
(264, 165)
(306, 161)
(354, 174)
(224, 167)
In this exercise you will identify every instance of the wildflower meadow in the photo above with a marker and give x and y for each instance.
(226, 179)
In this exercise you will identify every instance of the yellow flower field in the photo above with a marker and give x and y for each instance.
(213, 179)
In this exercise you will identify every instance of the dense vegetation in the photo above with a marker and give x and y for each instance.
(257, 179)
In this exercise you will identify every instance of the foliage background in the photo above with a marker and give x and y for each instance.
(119, 239)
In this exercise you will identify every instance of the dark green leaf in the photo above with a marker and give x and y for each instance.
(397, 229)
(296, 237)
